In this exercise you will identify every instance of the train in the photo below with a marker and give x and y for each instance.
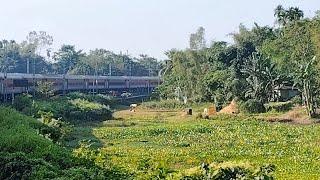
(17, 83)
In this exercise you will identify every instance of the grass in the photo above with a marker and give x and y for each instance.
(26, 154)
(139, 140)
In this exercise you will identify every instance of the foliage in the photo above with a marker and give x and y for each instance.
(98, 98)
(228, 171)
(197, 40)
(261, 59)
(180, 143)
(252, 106)
(261, 77)
(192, 70)
(186, 73)
(75, 110)
(297, 100)
(286, 16)
(22, 103)
(8, 54)
(66, 58)
(26, 155)
(295, 51)
(279, 106)
(164, 104)
(45, 89)
(219, 87)
(29, 57)
(89, 111)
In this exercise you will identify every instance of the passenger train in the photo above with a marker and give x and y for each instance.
(16, 83)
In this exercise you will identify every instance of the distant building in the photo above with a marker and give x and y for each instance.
(286, 92)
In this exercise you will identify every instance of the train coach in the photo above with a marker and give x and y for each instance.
(16, 83)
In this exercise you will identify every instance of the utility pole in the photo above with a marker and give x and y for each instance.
(34, 76)
(150, 68)
(130, 68)
(28, 61)
(64, 79)
(95, 78)
(3, 84)
(28, 64)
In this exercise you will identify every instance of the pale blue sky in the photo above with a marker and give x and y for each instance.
(139, 26)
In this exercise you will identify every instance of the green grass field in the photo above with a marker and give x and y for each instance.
(143, 139)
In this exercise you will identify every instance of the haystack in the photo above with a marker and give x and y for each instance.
(232, 108)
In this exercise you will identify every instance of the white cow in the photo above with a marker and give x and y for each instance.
(132, 107)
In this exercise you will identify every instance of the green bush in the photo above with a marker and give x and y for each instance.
(99, 98)
(59, 108)
(89, 111)
(22, 103)
(74, 110)
(24, 154)
(229, 171)
(297, 100)
(279, 106)
(252, 106)
(19, 166)
(164, 104)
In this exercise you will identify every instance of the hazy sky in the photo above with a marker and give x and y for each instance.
(139, 26)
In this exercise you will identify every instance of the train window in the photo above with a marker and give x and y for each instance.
(20, 82)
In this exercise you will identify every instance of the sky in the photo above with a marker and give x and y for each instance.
(136, 26)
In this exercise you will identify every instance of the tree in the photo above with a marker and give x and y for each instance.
(66, 58)
(27, 52)
(306, 72)
(218, 87)
(98, 61)
(262, 78)
(287, 16)
(45, 89)
(295, 51)
(197, 40)
(149, 65)
(9, 51)
(40, 40)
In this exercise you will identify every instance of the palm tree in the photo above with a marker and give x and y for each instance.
(280, 14)
(283, 16)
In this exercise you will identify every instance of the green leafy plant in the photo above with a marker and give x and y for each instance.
(279, 106)
(252, 106)
(22, 103)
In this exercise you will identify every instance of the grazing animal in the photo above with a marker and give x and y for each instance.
(132, 107)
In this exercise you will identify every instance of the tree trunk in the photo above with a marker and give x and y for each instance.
(308, 95)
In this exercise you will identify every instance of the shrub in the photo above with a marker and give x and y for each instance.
(18, 166)
(99, 98)
(228, 171)
(89, 111)
(45, 89)
(74, 110)
(252, 106)
(24, 154)
(22, 102)
(297, 100)
(279, 106)
(164, 104)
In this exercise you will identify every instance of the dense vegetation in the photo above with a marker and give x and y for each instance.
(28, 57)
(26, 152)
(259, 60)
(75, 107)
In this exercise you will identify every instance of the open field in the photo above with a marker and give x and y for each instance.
(138, 141)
